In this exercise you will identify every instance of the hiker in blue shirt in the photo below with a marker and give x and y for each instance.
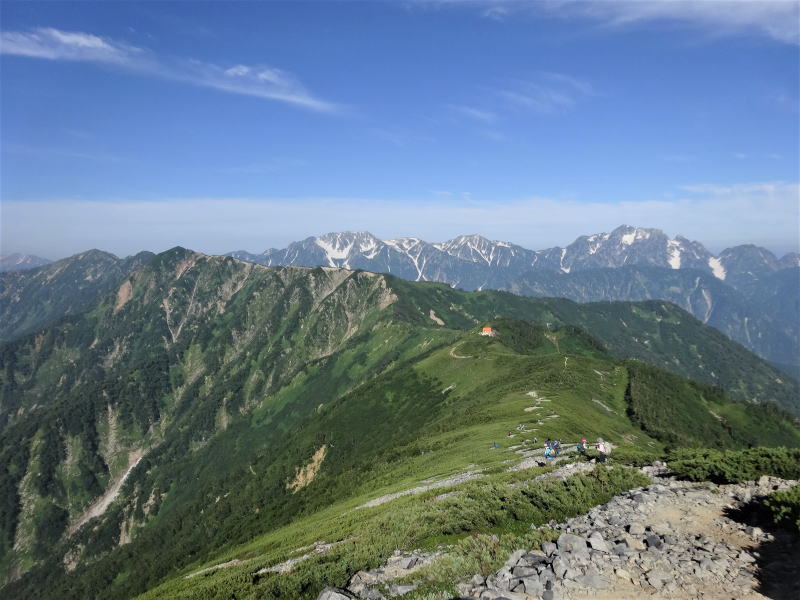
(548, 449)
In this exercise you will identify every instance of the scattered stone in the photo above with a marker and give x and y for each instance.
(331, 593)
(636, 529)
(653, 541)
(548, 548)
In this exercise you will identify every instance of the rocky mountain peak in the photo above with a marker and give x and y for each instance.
(627, 235)
(340, 247)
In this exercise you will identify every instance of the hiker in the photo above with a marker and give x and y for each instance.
(557, 447)
(582, 447)
(548, 451)
(602, 450)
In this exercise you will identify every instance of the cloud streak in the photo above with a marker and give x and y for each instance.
(547, 93)
(719, 216)
(778, 20)
(473, 113)
(775, 19)
(264, 82)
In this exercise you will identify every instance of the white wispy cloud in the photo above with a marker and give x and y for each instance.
(776, 19)
(473, 113)
(763, 213)
(50, 151)
(547, 93)
(259, 81)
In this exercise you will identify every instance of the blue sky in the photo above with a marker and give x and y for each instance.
(221, 126)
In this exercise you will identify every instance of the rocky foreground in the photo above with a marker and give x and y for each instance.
(671, 539)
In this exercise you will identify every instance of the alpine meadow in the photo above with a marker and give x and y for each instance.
(595, 395)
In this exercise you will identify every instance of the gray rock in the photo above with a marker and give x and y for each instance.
(597, 542)
(754, 532)
(653, 541)
(670, 540)
(514, 558)
(623, 574)
(534, 558)
(533, 587)
(331, 593)
(401, 590)
(636, 529)
(571, 543)
(559, 567)
(634, 543)
(477, 580)
(658, 578)
(592, 580)
(523, 572)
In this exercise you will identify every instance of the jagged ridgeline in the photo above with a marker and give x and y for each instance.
(205, 402)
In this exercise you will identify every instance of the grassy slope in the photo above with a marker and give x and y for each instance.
(655, 332)
(486, 402)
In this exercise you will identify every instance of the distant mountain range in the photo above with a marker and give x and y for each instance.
(746, 291)
(21, 262)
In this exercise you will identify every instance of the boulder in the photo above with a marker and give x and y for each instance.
(571, 543)
(533, 587)
(560, 567)
(523, 572)
(534, 558)
(597, 542)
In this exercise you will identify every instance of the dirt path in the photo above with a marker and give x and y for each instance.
(446, 482)
(454, 355)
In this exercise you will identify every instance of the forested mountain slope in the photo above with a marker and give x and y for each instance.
(33, 298)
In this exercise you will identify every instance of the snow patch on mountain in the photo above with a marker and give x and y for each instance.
(563, 254)
(633, 236)
(716, 268)
(674, 250)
